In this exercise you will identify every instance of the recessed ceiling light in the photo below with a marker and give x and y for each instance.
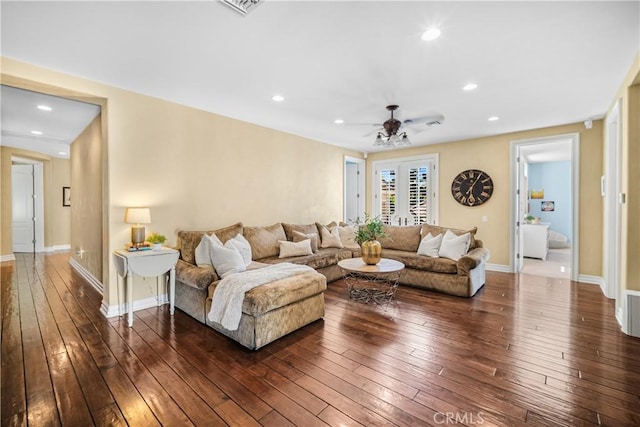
(44, 108)
(62, 153)
(431, 34)
(36, 132)
(493, 118)
(338, 121)
(278, 98)
(470, 86)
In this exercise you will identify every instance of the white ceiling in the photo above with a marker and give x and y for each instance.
(59, 127)
(537, 64)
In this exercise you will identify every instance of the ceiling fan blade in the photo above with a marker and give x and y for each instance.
(373, 131)
(424, 120)
(362, 124)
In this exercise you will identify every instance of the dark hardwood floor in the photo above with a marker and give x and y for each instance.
(525, 351)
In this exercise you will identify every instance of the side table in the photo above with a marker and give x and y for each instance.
(147, 264)
(377, 283)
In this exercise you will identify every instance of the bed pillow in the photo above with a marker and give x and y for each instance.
(454, 247)
(290, 249)
(330, 239)
(298, 236)
(429, 246)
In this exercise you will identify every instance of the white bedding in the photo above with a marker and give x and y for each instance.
(226, 304)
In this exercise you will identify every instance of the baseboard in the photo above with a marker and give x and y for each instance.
(498, 267)
(9, 257)
(57, 248)
(592, 280)
(87, 275)
(121, 309)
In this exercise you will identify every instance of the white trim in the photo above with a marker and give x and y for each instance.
(87, 275)
(575, 191)
(592, 280)
(141, 304)
(9, 257)
(499, 267)
(611, 215)
(629, 319)
(57, 248)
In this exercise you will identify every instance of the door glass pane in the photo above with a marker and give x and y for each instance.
(418, 192)
(387, 195)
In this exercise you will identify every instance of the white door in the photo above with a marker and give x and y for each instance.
(27, 208)
(405, 191)
(353, 189)
(521, 200)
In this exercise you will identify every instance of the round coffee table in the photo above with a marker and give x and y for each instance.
(377, 283)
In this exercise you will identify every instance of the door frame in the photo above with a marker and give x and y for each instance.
(514, 198)
(38, 188)
(434, 196)
(361, 186)
(611, 188)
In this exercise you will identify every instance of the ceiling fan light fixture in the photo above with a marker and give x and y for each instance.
(379, 141)
(404, 139)
(241, 6)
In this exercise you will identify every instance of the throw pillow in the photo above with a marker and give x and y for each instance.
(454, 247)
(430, 245)
(242, 245)
(330, 239)
(348, 237)
(289, 249)
(203, 252)
(225, 260)
(297, 236)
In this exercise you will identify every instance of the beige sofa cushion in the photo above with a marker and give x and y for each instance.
(421, 262)
(323, 258)
(405, 238)
(189, 240)
(280, 293)
(264, 240)
(302, 228)
(435, 230)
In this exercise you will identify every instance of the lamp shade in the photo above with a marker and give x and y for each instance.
(137, 216)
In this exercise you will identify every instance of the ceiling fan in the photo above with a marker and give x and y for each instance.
(390, 137)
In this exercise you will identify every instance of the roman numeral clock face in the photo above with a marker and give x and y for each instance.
(472, 187)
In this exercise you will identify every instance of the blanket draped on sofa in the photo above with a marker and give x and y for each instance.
(226, 304)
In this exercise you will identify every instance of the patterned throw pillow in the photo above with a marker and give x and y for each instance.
(290, 249)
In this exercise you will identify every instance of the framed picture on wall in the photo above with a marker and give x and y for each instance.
(66, 196)
(548, 206)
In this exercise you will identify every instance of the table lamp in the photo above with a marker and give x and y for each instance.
(137, 216)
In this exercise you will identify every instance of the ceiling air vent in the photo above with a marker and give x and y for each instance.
(241, 6)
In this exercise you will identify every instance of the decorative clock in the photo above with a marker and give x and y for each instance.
(472, 187)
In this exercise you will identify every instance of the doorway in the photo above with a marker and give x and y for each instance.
(27, 195)
(545, 199)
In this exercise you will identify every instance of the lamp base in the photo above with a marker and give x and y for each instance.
(137, 235)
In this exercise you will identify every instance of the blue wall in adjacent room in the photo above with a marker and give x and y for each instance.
(555, 179)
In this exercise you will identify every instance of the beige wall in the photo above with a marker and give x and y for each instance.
(86, 199)
(56, 174)
(491, 154)
(197, 170)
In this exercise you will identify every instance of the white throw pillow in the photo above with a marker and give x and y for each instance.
(299, 236)
(454, 247)
(225, 260)
(289, 249)
(242, 245)
(430, 245)
(348, 237)
(330, 239)
(202, 252)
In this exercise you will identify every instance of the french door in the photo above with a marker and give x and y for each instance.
(405, 190)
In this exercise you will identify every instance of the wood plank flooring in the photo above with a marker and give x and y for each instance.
(526, 350)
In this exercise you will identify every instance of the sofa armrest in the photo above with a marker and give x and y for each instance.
(472, 259)
(194, 276)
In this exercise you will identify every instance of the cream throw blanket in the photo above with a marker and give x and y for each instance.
(226, 304)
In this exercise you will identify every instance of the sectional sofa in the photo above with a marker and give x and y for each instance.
(273, 310)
